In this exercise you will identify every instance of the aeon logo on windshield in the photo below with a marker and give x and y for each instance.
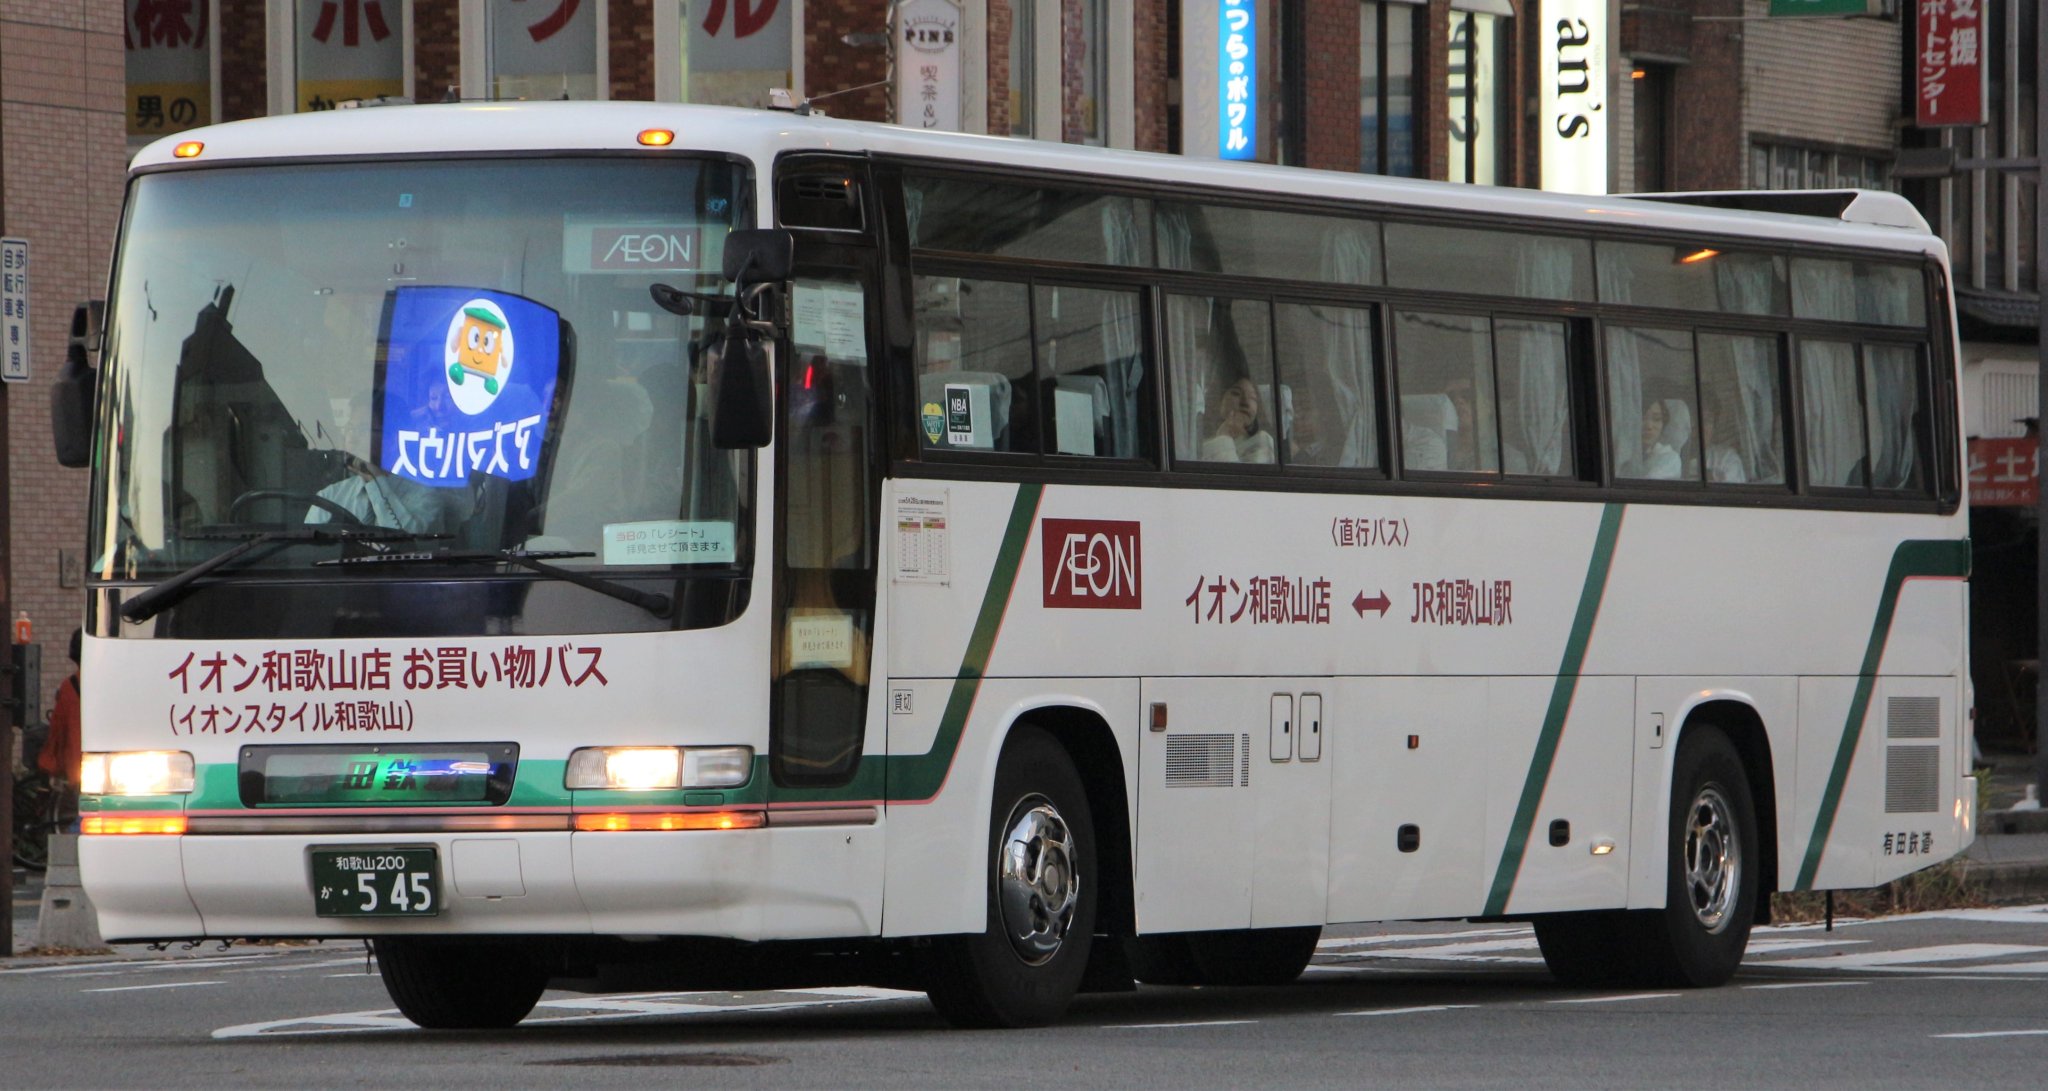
(1091, 564)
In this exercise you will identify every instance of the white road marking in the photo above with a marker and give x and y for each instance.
(355, 960)
(1995, 1034)
(165, 985)
(1807, 985)
(1350, 969)
(358, 973)
(1612, 999)
(1906, 958)
(1768, 946)
(208, 961)
(583, 1009)
(1176, 1026)
(1408, 1011)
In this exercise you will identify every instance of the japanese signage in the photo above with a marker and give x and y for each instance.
(923, 548)
(544, 49)
(668, 541)
(467, 379)
(928, 64)
(170, 83)
(1260, 600)
(1092, 564)
(348, 49)
(2005, 472)
(1948, 63)
(14, 310)
(737, 50)
(1237, 79)
(1573, 79)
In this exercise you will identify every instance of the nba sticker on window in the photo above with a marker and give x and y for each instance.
(668, 541)
(467, 377)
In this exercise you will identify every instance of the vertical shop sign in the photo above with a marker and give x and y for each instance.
(1573, 127)
(544, 49)
(14, 310)
(1237, 79)
(1948, 63)
(349, 49)
(170, 85)
(928, 64)
(736, 50)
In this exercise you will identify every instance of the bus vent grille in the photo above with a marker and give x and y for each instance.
(1912, 782)
(1200, 761)
(1244, 768)
(1913, 717)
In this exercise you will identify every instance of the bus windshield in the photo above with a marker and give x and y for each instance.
(464, 351)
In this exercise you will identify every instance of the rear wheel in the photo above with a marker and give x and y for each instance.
(444, 985)
(1024, 967)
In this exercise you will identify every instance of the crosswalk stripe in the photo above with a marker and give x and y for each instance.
(1906, 958)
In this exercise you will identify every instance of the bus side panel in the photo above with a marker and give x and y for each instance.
(1587, 789)
(938, 847)
(1823, 707)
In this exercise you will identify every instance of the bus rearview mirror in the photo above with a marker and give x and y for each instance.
(759, 256)
(742, 395)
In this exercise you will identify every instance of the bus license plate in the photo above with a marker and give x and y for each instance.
(360, 882)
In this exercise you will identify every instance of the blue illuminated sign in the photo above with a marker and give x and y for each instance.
(467, 379)
(1237, 79)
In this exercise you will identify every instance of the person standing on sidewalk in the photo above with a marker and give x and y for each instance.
(60, 756)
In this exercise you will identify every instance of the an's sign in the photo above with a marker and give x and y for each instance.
(1092, 564)
(1948, 63)
(1237, 79)
(928, 64)
(467, 377)
(1572, 67)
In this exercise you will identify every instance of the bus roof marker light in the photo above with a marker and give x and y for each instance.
(1697, 256)
(190, 149)
(657, 138)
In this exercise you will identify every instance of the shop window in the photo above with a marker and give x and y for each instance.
(170, 61)
(1479, 81)
(1023, 61)
(542, 51)
(346, 51)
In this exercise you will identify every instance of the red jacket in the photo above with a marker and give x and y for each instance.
(60, 756)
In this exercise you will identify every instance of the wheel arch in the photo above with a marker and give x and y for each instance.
(1737, 719)
(1084, 733)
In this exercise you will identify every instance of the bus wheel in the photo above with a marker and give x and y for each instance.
(1023, 968)
(1698, 938)
(459, 986)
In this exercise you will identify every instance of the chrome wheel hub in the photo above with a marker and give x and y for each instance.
(1037, 888)
(1713, 859)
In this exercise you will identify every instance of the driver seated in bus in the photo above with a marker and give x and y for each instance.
(378, 498)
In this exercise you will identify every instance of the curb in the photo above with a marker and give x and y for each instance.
(2012, 883)
(2005, 822)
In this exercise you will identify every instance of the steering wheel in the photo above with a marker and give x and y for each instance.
(256, 496)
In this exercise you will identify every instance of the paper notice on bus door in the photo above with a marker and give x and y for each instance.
(923, 548)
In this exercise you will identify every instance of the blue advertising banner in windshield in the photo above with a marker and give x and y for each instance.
(468, 375)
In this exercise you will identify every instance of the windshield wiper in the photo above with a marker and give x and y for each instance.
(148, 603)
(532, 560)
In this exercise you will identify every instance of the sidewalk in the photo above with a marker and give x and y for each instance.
(2010, 856)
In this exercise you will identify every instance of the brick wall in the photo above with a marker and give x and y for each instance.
(63, 154)
(832, 65)
(437, 50)
(1150, 44)
(1706, 145)
(1330, 43)
(1002, 23)
(1073, 57)
(244, 85)
(632, 49)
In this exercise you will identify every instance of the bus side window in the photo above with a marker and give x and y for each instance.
(1221, 352)
(974, 389)
(1834, 418)
(1652, 402)
(1742, 430)
(1090, 344)
(1535, 397)
(1444, 363)
(1328, 412)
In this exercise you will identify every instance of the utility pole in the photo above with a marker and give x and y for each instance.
(2041, 382)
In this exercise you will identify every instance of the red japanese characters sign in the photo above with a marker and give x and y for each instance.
(2005, 472)
(1092, 564)
(1948, 62)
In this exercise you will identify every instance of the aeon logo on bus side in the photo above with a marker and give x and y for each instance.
(1091, 564)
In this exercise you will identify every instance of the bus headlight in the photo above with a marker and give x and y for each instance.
(135, 773)
(651, 768)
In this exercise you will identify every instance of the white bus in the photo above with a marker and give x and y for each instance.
(1061, 567)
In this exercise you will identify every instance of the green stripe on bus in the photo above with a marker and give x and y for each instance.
(918, 776)
(1560, 705)
(1948, 558)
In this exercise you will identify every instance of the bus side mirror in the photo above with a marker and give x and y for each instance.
(742, 394)
(759, 256)
(72, 396)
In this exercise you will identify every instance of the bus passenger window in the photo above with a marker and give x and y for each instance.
(1328, 414)
(1834, 417)
(1896, 421)
(1742, 430)
(1222, 359)
(1444, 364)
(1091, 349)
(1651, 401)
(1535, 397)
(974, 390)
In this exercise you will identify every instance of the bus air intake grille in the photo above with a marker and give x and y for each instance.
(1201, 761)
(1913, 717)
(1912, 783)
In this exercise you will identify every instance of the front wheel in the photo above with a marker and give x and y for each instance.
(1023, 968)
(443, 985)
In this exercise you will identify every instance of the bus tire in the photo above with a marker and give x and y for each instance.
(458, 986)
(1711, 877)
(1022, 969)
